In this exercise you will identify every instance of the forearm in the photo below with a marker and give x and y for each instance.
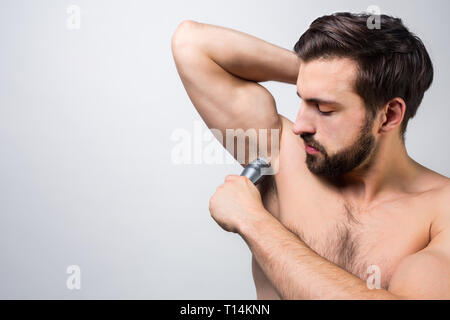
(295, 270)
(243, 55)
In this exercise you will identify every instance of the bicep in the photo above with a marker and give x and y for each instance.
(224, 101)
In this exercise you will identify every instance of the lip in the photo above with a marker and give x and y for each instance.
(310, 149)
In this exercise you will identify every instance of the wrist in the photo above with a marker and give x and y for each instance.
(295, 65)
(251, 223)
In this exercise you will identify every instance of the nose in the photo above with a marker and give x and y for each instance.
(304, 123)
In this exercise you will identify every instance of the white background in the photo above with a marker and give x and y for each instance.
(86, 116)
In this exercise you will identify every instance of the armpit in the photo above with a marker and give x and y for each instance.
(268, 190)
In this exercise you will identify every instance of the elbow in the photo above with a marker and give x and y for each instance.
(183, 36)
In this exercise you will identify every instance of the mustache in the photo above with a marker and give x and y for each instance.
(310, 141)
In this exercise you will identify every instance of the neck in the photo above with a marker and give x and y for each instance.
(387, 171)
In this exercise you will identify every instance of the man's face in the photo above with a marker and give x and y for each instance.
(332, 118)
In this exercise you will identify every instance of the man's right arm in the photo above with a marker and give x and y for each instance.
(220, 69)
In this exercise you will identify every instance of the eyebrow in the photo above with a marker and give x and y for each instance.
(320, 101)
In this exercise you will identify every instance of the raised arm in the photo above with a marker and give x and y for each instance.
(220, 68)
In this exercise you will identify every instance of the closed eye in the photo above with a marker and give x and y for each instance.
(325, 113)
(315, 101)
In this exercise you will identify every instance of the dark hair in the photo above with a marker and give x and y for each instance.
(392, 62)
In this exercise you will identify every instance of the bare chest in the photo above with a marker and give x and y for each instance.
(359, 242)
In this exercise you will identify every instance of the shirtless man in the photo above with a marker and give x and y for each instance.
(347, 202)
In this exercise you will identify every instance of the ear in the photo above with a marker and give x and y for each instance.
(392, 114)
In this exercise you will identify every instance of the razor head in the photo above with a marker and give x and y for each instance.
(253, 170)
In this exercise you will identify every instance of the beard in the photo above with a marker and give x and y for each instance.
(343, 161)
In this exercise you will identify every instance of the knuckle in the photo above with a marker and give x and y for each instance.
(229, 177)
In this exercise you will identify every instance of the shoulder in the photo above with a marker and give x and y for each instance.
(444, 197)
(285, 123)
(289, 163)
(442, 193)
(291, 145)
(441, 201)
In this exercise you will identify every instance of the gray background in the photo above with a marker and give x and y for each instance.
(86, 117)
